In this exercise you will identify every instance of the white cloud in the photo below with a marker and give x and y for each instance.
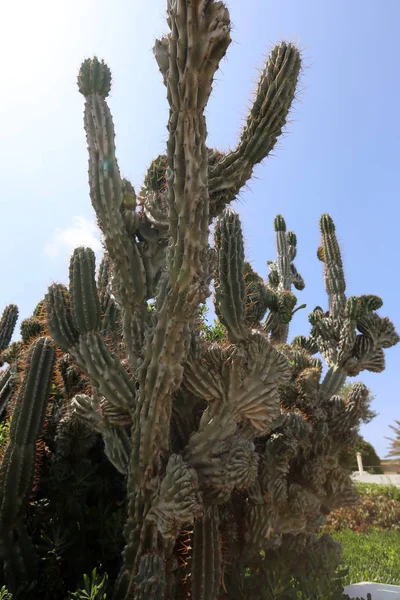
(82, 232)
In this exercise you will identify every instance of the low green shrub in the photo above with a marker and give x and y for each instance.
(373, 511)
(377, 489)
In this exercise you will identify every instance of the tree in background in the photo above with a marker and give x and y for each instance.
(371, 460)
(394, 451)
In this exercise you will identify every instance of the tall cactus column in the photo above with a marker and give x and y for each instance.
(199, 39)
(7, 324)
(107, 192)
(18, 465)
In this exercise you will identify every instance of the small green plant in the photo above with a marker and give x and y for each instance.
(211, 333)
(5, 594)
(93, 588)
(4, 434)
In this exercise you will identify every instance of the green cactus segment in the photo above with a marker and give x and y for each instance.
(189, 82)
(155, 176)
(88, 348)
(107, 196)
(116, 440)
(7, 323)
(30, 328)
(106, 373)
(17, 469)
(179, 501)
(346, 415)
(85, 305)
(230, 288)
(206, 565)
(282, 247)
(291, 239)
(111, 314)
(258, 297)
(279, 224)
(12, 353)
(18, 465)
(283, 274)
(150, 581)
(334, 276)
(370, 303)
(274, 96)
(94, 78)
(59, 318)
(8, 380)
(333, 381)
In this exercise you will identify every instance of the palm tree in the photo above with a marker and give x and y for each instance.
(394, 451)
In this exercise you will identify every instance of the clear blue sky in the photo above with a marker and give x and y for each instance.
(340, 153)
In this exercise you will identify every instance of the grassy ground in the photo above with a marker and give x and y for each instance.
(372, 556)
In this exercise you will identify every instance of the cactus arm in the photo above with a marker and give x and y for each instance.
(274, 95)
(18, 465)
(334, 276)
(206, 569)
(230, 290)
(283, 274)
(116, 440)
(7, 325)
(8, 379)
(73, 320)
(106, 188)
(107, 192)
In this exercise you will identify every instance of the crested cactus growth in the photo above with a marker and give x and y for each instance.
(231, 449)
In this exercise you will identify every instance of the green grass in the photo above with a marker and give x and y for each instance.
(373, 556)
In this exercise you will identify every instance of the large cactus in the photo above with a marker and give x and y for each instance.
(231, 449)
(248, 427)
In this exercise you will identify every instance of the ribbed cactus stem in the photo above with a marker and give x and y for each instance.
(282, 248)
(150, 584)
(73, 327)
(334, 276)
(107, 195)
(274, 96)
(230, 289)
(94, 77)
(59, 319)
(333, 381)
(207, 559)
(7, 324)
(7, 383)
(85, 305)
(18, 465)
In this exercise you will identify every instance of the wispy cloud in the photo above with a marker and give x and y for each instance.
(82, 232)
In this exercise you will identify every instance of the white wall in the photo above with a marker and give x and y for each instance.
(382, 479)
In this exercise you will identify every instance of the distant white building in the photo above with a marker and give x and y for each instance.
(390, 469)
